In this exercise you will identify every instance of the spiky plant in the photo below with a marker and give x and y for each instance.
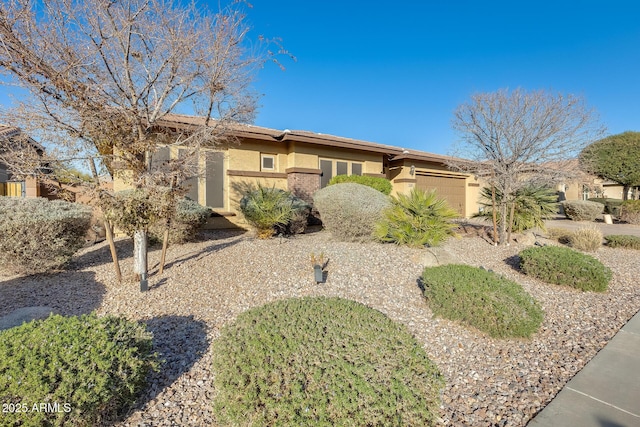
(267, 208)
(416, 219)
(532, 206)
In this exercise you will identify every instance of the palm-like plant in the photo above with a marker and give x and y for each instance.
(266, 209)
(533, 205)
(417, 219)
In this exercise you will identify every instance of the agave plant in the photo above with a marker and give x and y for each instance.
(416, 219)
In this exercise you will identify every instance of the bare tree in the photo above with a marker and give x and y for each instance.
(516, 138)
(103, 74)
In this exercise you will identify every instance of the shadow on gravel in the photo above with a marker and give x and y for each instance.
(180, 342)
(513, 262)
(69, 293)
(198, 255)
(100, 253)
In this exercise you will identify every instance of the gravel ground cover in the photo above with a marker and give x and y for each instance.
(206, 284)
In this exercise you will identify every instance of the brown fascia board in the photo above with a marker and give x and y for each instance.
(273, 135)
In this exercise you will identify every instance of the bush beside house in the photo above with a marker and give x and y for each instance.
(274, 211)
(383, 185)
(38, 235)
(350, 211)
(582, 210)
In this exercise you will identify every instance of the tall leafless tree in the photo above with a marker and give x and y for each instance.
(103, 73)
(516, 138)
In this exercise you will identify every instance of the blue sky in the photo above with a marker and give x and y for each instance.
(394, 72)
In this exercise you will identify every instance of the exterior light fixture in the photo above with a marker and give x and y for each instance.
(412, 170)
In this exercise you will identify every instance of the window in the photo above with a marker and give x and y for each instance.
(331, 168)
(267, 162)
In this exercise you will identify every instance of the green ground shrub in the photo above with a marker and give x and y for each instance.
(383, 185)
(350, 211)
(38, 235)
(533, 205)
(187, 219)
(565, 266)
(274, 211)
(582, 210)
(92, 367)
(630, 211)
(417, 219)
(611, 206)
(481, 299)
(623, 241)
(322, 362)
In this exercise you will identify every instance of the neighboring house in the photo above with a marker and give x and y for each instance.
(304, 162)
(586, 186)
(9, 186)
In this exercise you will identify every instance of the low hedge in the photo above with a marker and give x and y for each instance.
(565, 266)
(611, 206)
(322, 362)
(582, 210)
(38, 235)
(85, 370)
(188, 218)
(383, 185)
(481, 299)
(623, 241)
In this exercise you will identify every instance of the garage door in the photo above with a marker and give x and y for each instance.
(452, 189)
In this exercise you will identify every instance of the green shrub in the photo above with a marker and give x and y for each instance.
(582, 210)
(565, 266)
(271, 211)
(630, 211)
(587, 239)
(623, 241)
(350, 211)
(322, 362)
(532, 206)
(383, 185)
(187, 218)
(38, 235)
(417, 219)
(93, 368)
(481, 299)
(611, 206)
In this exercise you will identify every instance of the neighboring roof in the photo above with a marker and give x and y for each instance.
(274, 135)
(12, 132)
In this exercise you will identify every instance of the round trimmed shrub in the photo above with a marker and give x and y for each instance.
(272, 210)
(565, 266)
(630, 211)
(350, 211)
(481, 299)
(188, 218)
(89, 369)
(322, 362)
(38, 235)
(582, 210)
(383, 185)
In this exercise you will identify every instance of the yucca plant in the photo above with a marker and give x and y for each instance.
(417, 219)
(532, 206)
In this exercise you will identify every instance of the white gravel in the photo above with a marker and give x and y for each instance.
(205, 285)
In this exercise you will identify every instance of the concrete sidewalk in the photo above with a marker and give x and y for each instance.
(607, 229)
(606, 392)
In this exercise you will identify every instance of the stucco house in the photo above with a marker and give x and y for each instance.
(9, 186)
(303, 162)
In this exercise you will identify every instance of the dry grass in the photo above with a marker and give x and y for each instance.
(587, 239)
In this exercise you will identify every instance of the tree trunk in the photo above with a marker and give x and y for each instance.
(503, 221)
(495, 219)
(165, 243)
(140, 258)
(625, 192)
(511, 221)
(108, 228)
